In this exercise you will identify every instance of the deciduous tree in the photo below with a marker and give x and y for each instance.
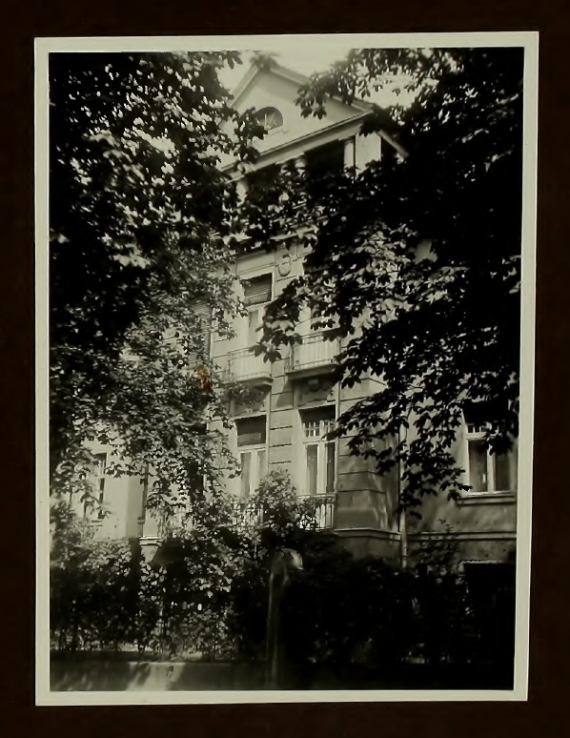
(422, 250)
(142, 226)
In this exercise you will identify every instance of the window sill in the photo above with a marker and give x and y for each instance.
(486, 498)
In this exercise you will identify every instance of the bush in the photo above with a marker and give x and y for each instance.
(207, 593)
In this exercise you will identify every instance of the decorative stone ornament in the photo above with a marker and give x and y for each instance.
(284, 266)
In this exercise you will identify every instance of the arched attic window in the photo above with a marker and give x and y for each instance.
(270, 118)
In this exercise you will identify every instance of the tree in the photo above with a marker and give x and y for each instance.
(421, 250)
(142, 238)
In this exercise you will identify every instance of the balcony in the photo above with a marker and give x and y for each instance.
(247, 515)
(318, 512)
(314, 356)
(245, 366)
(320, 509)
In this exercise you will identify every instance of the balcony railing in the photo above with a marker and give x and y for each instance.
(319, 513)
(322, 507)
(245, 366)
(315, 355)
(247, 515)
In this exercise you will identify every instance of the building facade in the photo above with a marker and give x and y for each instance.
(298, 402)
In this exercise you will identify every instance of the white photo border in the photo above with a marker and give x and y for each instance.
(45, 46)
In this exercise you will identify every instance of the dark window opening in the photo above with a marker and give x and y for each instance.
(324, 159)
(195, 477)
(262, 184)
(252, 431)
(321, 167)
(389, 154)
(257, 290)
(324, 414)
(478, 414)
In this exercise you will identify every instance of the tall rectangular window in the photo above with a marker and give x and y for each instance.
(252, 448)
(195, 483)
(195, 479)
(318, 451)
(100, 466)
(487, 472)
(254, 319)
(198, 333)
(144, 496)
(257, 292)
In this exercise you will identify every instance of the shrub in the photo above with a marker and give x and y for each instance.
(206, 592)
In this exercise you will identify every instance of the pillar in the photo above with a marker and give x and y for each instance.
(349, 153)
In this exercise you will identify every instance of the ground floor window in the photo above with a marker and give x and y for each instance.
(252, 448)
(486, 472)
(319, 453)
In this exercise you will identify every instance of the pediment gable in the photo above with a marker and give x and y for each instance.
(277, 89)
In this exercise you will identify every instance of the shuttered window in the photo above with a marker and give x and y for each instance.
(252, 431)
(257, 290)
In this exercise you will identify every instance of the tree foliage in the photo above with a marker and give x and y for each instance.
(142, 236)
(414, 260)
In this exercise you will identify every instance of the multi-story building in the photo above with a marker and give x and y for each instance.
(298, 401)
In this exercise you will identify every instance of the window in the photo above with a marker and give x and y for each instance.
(195, 477)
(320, 164)
(196, 334)
(262, 185)
(99, 483)
(270, 118)
(323, 159)
(323, 289)
(251, 441)
(487, 472)
(144, 497)
(257, 292)
(319, 453)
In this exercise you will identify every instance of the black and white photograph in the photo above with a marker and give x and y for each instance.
(285, 367)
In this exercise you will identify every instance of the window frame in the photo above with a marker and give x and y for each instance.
(478, 435)
(325, 425)
(99, 481)
(258, 307)
(270, 110)
(253, 450)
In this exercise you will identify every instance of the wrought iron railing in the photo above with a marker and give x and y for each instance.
(244, 365)
(314, 351)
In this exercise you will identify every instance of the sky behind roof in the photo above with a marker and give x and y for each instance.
(306, 59)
